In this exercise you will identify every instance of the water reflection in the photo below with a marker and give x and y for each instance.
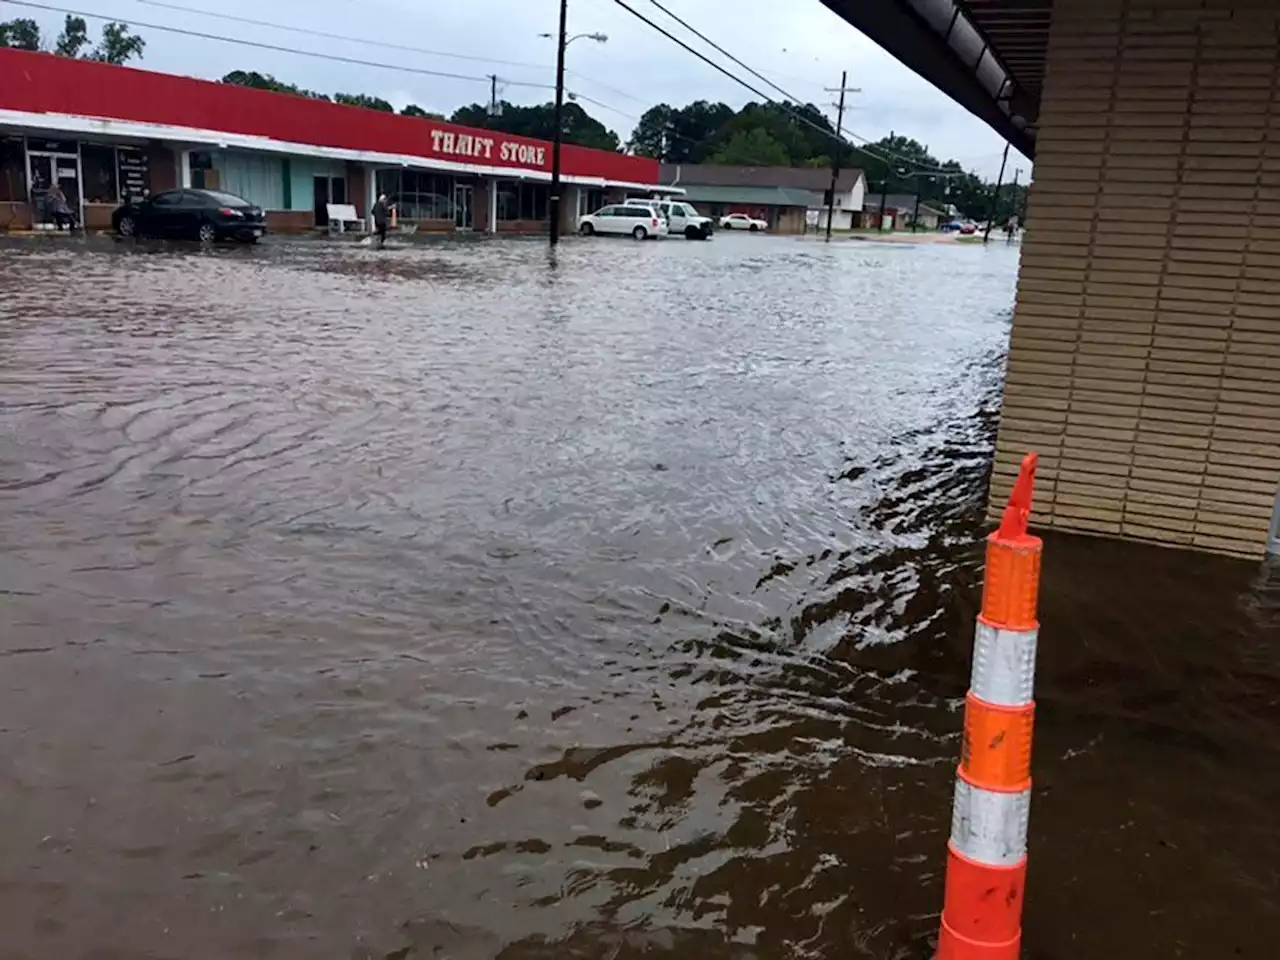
(434, 602)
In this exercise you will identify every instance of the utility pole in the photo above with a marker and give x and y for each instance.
(915, 217)
(835, 162)
(995, 197)
(561, 43)
(493, 95)
(884, 199)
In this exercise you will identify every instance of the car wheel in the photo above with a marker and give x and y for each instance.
(207, 233)
(127, 227)
(754, 228)
(692, 233)
(640, 233)
(586, 229)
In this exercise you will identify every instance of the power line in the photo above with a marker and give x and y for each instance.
(332, 58)
(738, 80)
(390, 46)
(338, 36)
(605, 86)
(707, 40)
(402, 48)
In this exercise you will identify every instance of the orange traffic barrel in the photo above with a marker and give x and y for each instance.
(987, 853)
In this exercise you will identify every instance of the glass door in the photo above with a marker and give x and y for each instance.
(462, 219)
(41, 179)
(48, 170)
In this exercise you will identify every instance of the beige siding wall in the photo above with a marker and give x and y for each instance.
(1145, 356)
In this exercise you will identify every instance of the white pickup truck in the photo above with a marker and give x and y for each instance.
(682, 218)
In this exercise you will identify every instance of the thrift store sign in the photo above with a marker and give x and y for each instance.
(472, 147)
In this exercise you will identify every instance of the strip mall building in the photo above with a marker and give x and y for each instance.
(108, 134)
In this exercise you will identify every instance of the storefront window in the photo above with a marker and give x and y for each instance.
(13, 160)
(534, 199)
(387, 183)
(98, 166)
(419, 196)
(508, 201)
(202, 173)
(523, 201)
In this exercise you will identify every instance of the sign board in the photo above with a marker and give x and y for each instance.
(470, 146)
(37, 145)
(134, 173)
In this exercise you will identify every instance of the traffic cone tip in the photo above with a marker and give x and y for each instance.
(1017, 514)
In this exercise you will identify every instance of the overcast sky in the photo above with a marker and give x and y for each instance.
(799, 44)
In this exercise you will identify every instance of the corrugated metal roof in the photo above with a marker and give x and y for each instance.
(989, 55)
(761, 196)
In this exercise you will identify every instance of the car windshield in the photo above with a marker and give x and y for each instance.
(226, 199)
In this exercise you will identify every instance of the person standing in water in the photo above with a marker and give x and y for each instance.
(59, 208)
(381, 218)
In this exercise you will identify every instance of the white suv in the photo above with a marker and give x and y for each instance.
(638, 219)
(682, 218)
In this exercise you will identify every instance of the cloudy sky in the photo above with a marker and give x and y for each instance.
(798, 44)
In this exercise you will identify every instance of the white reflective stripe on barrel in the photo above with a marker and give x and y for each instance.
(990, 827)
(1004, 666)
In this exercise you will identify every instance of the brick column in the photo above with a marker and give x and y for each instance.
(1145, 358)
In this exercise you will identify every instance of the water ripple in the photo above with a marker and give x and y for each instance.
(451, 602)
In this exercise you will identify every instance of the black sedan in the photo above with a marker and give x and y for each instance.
(205, 215)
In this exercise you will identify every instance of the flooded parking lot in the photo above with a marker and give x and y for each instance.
(451, 602)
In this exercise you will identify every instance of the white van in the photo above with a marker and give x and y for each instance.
(637, 218)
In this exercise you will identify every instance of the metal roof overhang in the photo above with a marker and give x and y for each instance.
(987, 55)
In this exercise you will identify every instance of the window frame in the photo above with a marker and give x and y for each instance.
(113, 168)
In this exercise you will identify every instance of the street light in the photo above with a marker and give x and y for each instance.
(597, 37)
(559, 115)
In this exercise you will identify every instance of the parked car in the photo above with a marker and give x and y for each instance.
(968, 228)
(952, 226)
(636, 218)
(740, 221)
(205, 215)
(683, 218)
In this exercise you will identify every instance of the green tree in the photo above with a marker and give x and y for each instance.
(688, 135)
(892, 164)
(539, 122)
(413, 110)
(264, 81)
(365, 101)
(755, 148)
(74, 38)
(649, 139)
(21, 34)
(118, 45)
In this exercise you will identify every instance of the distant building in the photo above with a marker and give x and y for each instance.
(784, 197)
(899, 209)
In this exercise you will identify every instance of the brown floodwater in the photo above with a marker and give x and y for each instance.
(449, 603)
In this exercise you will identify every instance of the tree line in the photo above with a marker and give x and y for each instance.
(537, 121)
(759, 134)
(117, 45)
